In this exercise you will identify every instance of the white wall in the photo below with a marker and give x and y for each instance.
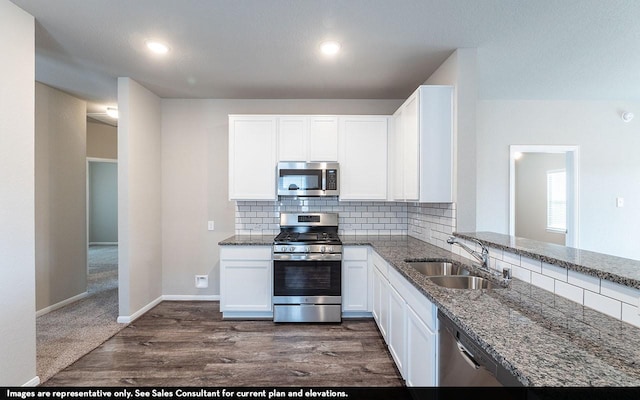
(139, 199)
(17, 198)
(460, 70)
(103, 202)
(609, 166)
(195, 173)
(61, 218)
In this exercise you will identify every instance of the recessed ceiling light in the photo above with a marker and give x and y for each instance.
(157, 47)
(330, 48)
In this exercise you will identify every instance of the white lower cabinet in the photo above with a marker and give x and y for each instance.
(421, 362)
(246, 281)
(396, 336)
(407, 321)
(355, 280)
(380, 298)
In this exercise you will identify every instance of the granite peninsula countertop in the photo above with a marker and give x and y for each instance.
(620, 270)
(544, 339)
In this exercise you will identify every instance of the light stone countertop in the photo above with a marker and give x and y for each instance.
(544, 339)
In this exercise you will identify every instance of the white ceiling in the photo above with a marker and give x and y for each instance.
(253, 49)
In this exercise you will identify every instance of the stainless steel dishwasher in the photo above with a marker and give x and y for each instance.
(463, 363)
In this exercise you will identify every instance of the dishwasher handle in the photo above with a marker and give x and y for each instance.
(467, 356)
(471, 353)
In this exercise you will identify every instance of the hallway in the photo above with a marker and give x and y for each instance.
(66, 334)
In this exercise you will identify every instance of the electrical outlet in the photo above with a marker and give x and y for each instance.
(211, 225)
(202, 281)
(619, 201)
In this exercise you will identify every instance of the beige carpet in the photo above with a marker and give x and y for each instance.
(68, 333)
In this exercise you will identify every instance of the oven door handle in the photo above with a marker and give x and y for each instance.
(307, 257)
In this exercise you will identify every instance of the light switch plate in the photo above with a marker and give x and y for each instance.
(211, 225)
(619, 202)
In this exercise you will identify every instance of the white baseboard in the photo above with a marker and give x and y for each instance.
(124, 319)
(61, 304)
(247, 315)
(33, 382)
(190, 297)
(357, 314)
(103, 243)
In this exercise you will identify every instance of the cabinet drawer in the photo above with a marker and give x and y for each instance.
(355, 253)
(380, 264)
(424, 308)
(245, 253)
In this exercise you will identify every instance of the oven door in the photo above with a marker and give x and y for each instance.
(307, 282)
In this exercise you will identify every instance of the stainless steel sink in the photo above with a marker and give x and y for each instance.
(437, 268)
(464, 282)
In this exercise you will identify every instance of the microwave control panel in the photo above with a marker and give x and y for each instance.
(332, 179)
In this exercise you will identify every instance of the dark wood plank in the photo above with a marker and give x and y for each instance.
(188, 344)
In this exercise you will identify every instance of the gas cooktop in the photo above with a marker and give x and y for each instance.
(291, 237)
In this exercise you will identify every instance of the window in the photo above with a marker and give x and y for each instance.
(557, 200)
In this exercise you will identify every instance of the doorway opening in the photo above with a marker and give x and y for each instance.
(102, 225)
(543, 193)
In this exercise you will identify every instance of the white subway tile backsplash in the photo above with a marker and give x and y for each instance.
(631, 314)
(495, 253)
(603, 304)
(554, 271)
(623, 293)
(531, 264)
(542, 281)
(431, 223)
(511, 258)
(521, 273)
(573, 293)
(354, 217)
(588, 282)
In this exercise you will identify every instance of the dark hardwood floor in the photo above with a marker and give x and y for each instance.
(188, 344)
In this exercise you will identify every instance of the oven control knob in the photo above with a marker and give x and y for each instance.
(307, 249)
(292, 249)
(322, 249)
(329, 249)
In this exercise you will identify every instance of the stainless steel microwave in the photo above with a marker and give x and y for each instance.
(308, 179)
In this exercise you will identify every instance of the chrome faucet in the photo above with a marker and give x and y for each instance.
(482, 257)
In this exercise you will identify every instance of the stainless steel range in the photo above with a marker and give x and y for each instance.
(307, 269)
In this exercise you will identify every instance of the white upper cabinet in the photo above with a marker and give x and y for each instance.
(307, 138)
(252, 157)
(293, 135)
(323, 138)
(363, 157)
(422, 147)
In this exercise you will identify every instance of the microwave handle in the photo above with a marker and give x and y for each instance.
(324, 180)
